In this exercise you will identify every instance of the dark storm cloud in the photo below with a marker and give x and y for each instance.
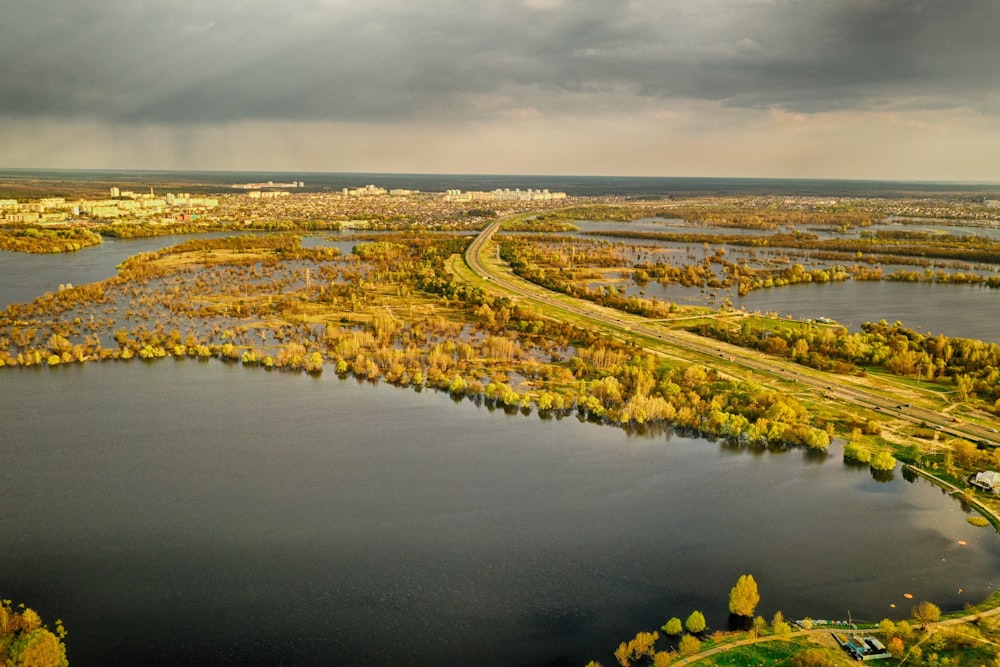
(175, 61)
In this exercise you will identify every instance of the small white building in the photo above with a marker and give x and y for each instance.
(988, 480)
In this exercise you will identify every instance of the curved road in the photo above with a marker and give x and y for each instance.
(618, 322)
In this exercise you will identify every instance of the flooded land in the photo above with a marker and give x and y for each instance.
(273, 424)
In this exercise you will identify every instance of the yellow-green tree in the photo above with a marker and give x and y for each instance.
(689, 645)
(964, 451)
(26, 642)
(663, 658)
(743, 597)
(695, 623)
(673, 627)
(883, 461)
(926, 613)
(779, 625)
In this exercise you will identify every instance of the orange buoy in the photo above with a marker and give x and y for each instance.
(908, 596)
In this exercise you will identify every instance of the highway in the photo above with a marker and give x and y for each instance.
(617, 322)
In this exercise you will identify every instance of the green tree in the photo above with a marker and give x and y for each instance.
(663, 658)
(689, 645)
(925, 613)
(887, 628)
(965, 452)
(965, 385)
(854, 452)
(695, 623)
(673, 627)
(743, 597)
(815, 439)
(883, 461)
(38, 648)
(779, 625)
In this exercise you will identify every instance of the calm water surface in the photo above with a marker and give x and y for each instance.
(964, 311)
(201, 513)
(24, 276)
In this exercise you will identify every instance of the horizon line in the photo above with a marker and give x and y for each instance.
(6, 169)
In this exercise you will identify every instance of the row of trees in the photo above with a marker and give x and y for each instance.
(901, 638)
(966, 249)
(642, 649)
(748, 279)
(42, 240)
(748, 216)
(561, 264)
(971, 367)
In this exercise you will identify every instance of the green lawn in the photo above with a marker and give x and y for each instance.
(769, 654)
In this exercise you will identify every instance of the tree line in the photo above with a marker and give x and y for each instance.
(969, 249)
(41, 240)
(971, 367)
(687, 638)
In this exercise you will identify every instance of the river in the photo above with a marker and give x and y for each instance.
(184, 512)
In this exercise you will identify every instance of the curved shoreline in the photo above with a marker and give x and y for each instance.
(992, 516)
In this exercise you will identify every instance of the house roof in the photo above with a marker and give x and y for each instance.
(989, 477)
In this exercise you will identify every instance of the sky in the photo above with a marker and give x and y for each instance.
(856, 89)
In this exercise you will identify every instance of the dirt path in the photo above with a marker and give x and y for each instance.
(816, 635)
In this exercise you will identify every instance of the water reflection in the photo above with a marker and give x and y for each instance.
(883, 476)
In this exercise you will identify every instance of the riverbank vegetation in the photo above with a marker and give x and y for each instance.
(694, 636)
(617, 275)
(36, 239)
(390, 311)
(769, 212)
(922, 641)
(970, 368)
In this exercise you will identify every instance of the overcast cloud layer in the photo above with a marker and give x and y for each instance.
(840, 88)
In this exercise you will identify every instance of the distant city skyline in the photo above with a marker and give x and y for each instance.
(854, 89)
